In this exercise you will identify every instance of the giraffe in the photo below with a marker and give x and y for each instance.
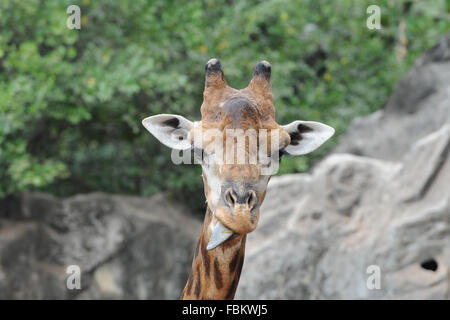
(234, 191)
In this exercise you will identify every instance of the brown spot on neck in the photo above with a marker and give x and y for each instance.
(205, 257)
(234, 261)
(197, 283)
(187, 289)
(232, 289)
(215, 273)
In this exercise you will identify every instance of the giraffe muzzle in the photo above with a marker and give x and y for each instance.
(239, 202)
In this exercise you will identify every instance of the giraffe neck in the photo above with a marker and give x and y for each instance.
(215, 273)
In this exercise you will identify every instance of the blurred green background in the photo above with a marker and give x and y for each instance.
(72, 101)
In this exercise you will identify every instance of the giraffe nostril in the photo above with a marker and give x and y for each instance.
(251, 200)
(230, 197)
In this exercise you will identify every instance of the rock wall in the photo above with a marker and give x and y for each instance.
(418, 106)
(319, 233)
(126, 247)
(382, 208)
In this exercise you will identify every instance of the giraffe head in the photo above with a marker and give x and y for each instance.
(239, 145)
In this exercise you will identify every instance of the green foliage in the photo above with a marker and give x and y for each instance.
(71, 101)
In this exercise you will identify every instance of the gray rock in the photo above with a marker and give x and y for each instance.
(350, 213)
(126, 247)
(385, 208)
(419, 106)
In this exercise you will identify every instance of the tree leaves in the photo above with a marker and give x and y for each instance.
(71, 101)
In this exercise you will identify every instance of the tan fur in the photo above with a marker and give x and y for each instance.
(215, 273)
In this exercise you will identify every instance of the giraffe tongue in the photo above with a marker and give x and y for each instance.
(219, 234)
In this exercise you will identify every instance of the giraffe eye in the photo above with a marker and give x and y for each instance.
(198, 152)
(278, 154)
(200, 155)
(281, 153)
(274, 157)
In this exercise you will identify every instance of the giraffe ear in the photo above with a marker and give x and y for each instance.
(306, 136)
(170, 129)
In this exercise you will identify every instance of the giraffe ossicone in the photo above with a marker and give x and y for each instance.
(239, 145)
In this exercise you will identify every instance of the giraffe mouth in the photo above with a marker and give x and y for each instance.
(219, 235)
